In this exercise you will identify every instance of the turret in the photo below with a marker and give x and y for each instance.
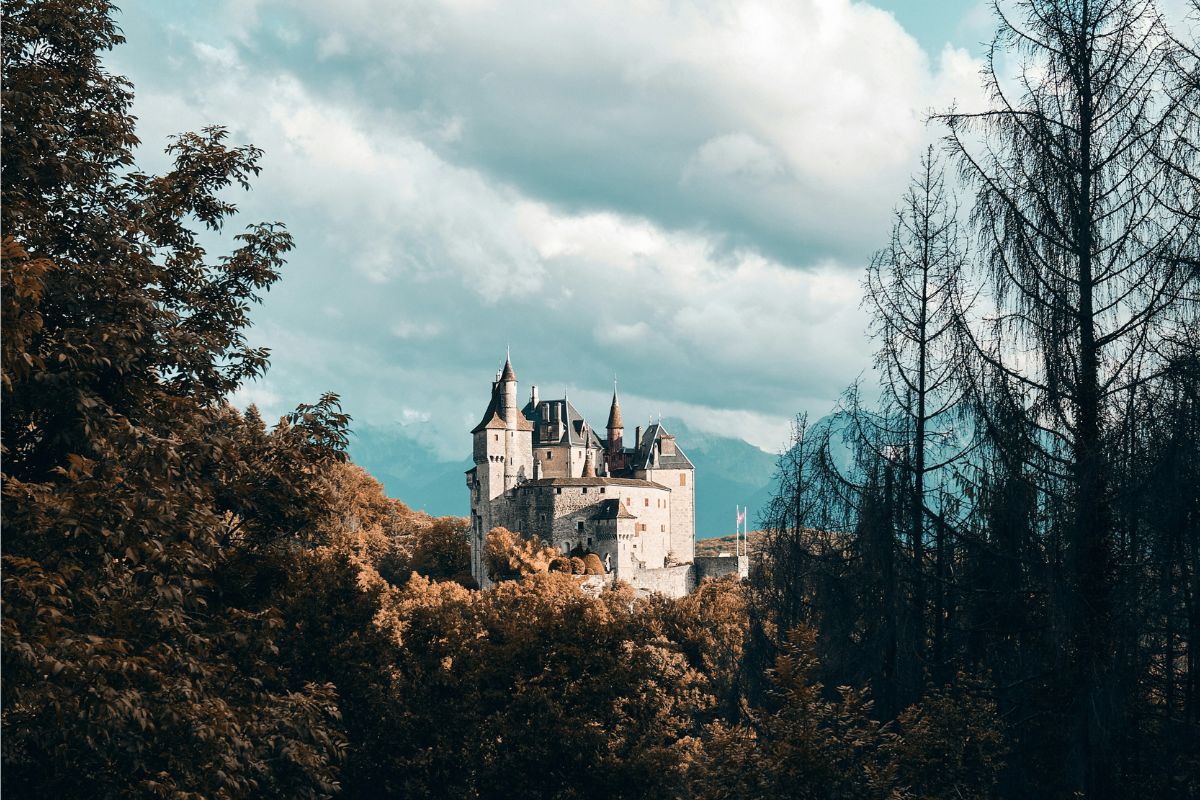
(615, 456)
(508, 388)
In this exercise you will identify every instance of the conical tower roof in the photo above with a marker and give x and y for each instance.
(508, 374)
(614, 415)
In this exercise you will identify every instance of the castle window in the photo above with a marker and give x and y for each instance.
(601, 490)
(589, 538)
(558, 490)
(647, 502)
(585, 490)
(662, 528)
(683, 479)
(496, 436)
(549, 455)
(579, 527)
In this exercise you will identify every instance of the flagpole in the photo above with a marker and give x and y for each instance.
(737, 530)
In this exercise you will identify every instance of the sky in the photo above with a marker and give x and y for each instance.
(679, 196)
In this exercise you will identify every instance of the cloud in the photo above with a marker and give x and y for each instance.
(760, 121)
(683, 196)
(736, 156)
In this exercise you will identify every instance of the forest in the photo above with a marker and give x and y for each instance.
(982, 581)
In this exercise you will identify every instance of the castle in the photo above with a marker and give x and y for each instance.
(542, 470)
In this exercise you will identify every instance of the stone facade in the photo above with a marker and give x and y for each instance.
(542, 471)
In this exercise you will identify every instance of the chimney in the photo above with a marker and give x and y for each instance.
(533, 397)
(637, 437)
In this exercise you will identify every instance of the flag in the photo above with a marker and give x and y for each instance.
(741, 516)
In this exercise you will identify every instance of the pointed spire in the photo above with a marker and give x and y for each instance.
(508, 374)
(614, 414)
(589, 466)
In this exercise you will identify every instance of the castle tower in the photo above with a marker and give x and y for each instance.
(486, 479)
(615, 455)
(509, 413)
(503, 456)
(508, 388)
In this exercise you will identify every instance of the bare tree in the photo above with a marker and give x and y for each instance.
(1079, 169)
(915, 293)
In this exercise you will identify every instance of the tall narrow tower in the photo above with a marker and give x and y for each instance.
(615, 455)
(509, 413)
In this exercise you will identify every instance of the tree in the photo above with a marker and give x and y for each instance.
(914, 290)
(139, 635)
(1075, 167)
(820, 744)
(509, 555)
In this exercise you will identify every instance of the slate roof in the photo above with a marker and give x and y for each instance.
(641, 454)
(493, 420)
(491, 416)
(575, 423)
(612, 509)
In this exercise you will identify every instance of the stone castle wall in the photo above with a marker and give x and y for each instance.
(717, 566)
(553, 513)
(683, 509)
(670, 581)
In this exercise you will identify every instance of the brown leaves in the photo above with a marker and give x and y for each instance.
(21, 290)
(509, 555)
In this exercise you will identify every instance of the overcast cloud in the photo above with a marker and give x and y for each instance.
(680, 195)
